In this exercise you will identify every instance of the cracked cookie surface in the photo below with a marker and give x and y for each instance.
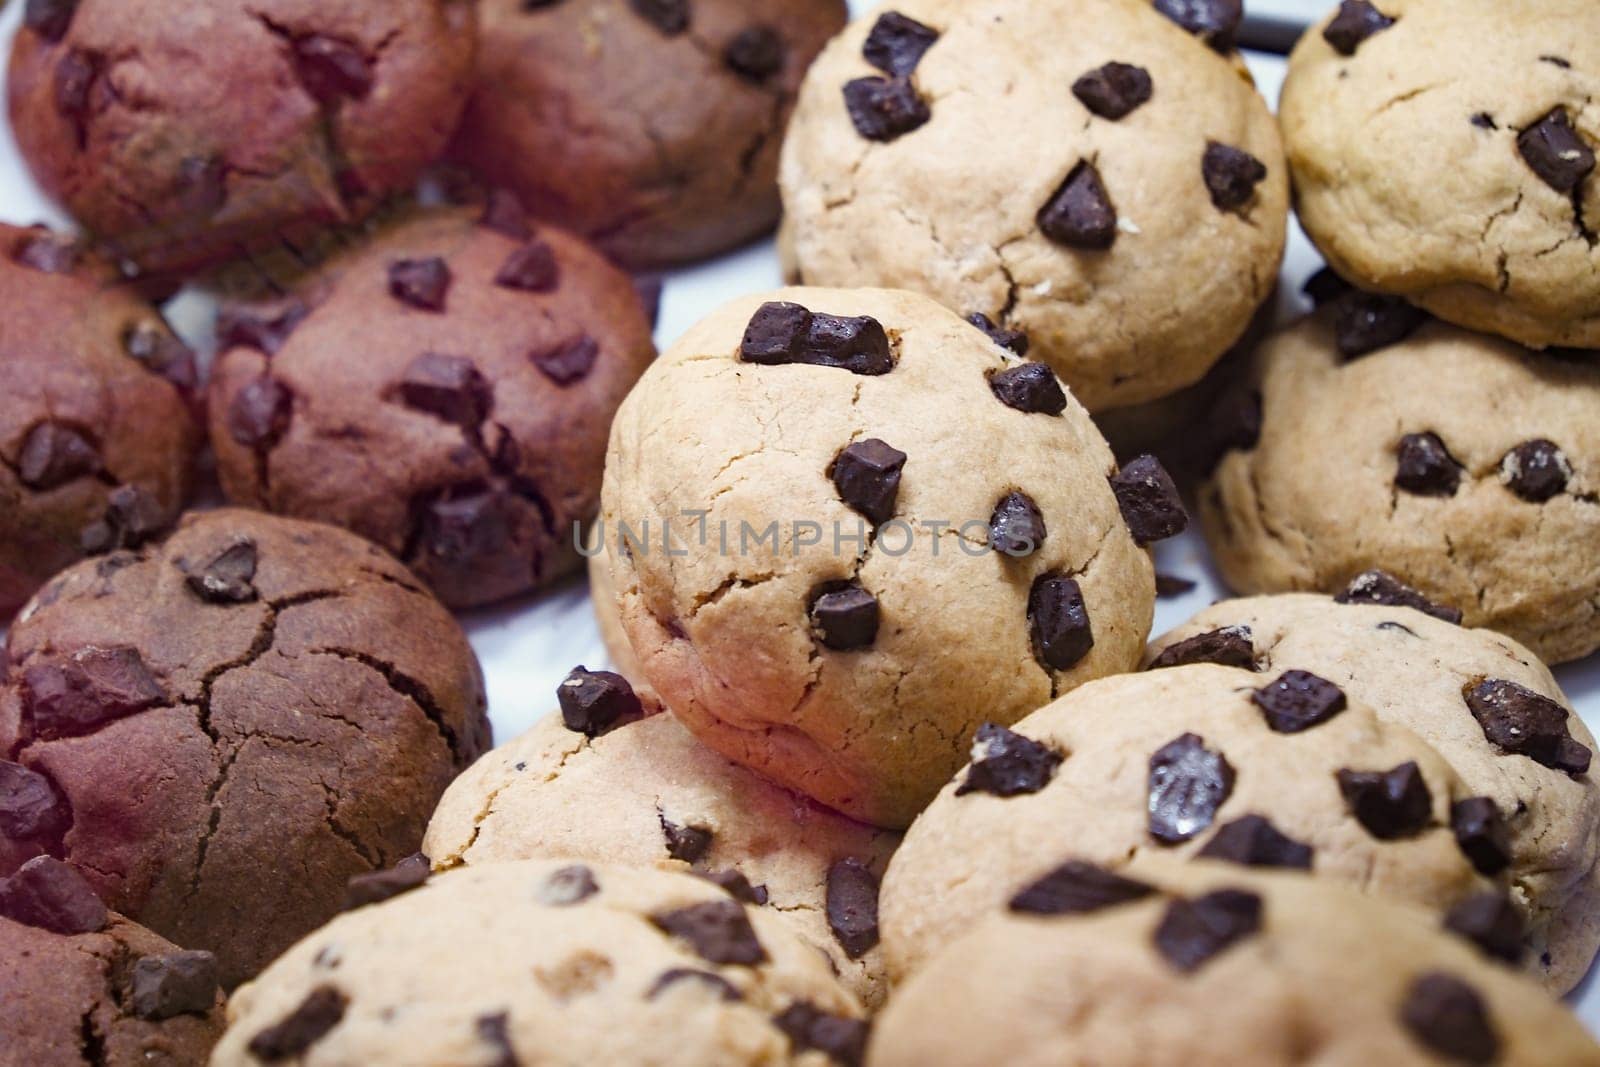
(1064, 181)
(1448, 158)
(445, 391)
(1463, 465)
(184, 135)
(97, 439)
(665, 116)
(219, 730)
(853, 667)
(550, 962)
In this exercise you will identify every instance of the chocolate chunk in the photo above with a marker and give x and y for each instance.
(30, 807)
(1535, 470)
(465, 523)
(867, 476)
(1253, 841)
(1298, 700)
(1187, 784)
(50, 19)
(1058, 622)
(1077, 888)
(73, 696)
(845, 617)
(1447, 1017)
(53, 454)
(1017, 526)
(1007, 764)
(1149, 502)
(448, 387)
(567, 886)
(593, 702)
(1079, 214)
(173, 984)
(1172, 585)
(1390, 804)
(1482, 834)
(239, 327)
(1015, 340)
(1557, 61)
(1424, 466)
(1191, 932)
(853, 906)
(1231, 175)
(332, 69)
(74, 76)
(776, 334)
(51, 895)
(420, 283)
(1235, 422)
(49, 253)
(1515, 719)
(1381, 587)
(1492, 922)
(884, 109)
(718, 930)
(686, 843)
(840, 1038)
(671, 17)
(494, 1030)
(162, 353)
(724, 989)
(321, 1010)
(897, 43)
(1031, 387)
(569, 361)
(1215, 22)
(504, 213)
(229, 577)
(378, 886)
(1366, 322)
(755, 53)
(781, 333)
(1484, 121)
(1356, 21)
(1554, 151)
(733, 882)
(131, 518)
(260, 413)
(531, 268)
(1325, 286)
(1229, 646)
(1114, 90)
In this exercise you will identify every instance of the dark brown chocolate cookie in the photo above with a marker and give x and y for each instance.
(651, 128)
(220, 730)
(446, 391)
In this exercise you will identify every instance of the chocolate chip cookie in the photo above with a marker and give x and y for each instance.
(1281, 770)
(1165, 965)
(831, 578)
(644, 793)
(651, 127)
(1445, 153)
(445, 391)
(219, 730)
(1085, 175)
(603, 597)
(550, 961)
(1463, 465)
(79, 984)
(1484, 702)
(182, 135)
(97, 442)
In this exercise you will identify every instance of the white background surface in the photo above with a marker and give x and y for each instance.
(528, 645)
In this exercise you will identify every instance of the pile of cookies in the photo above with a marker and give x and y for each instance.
(888, 770)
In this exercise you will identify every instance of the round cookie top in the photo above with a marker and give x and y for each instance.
(1198, 761)
(445, 390)
(1080, 171)
(177, 720)
(815, 594)
(1466, 692)
(75, 978)
(549, 962)
(1442, 150)
(1463, 465)
(186, 134)
(645, 793)
(97, 442)
(1201, 965)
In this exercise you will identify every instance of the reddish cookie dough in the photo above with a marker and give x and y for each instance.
(445, 391)
(650, 126)
(185, 134)
(96, 438)
(221, 730)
